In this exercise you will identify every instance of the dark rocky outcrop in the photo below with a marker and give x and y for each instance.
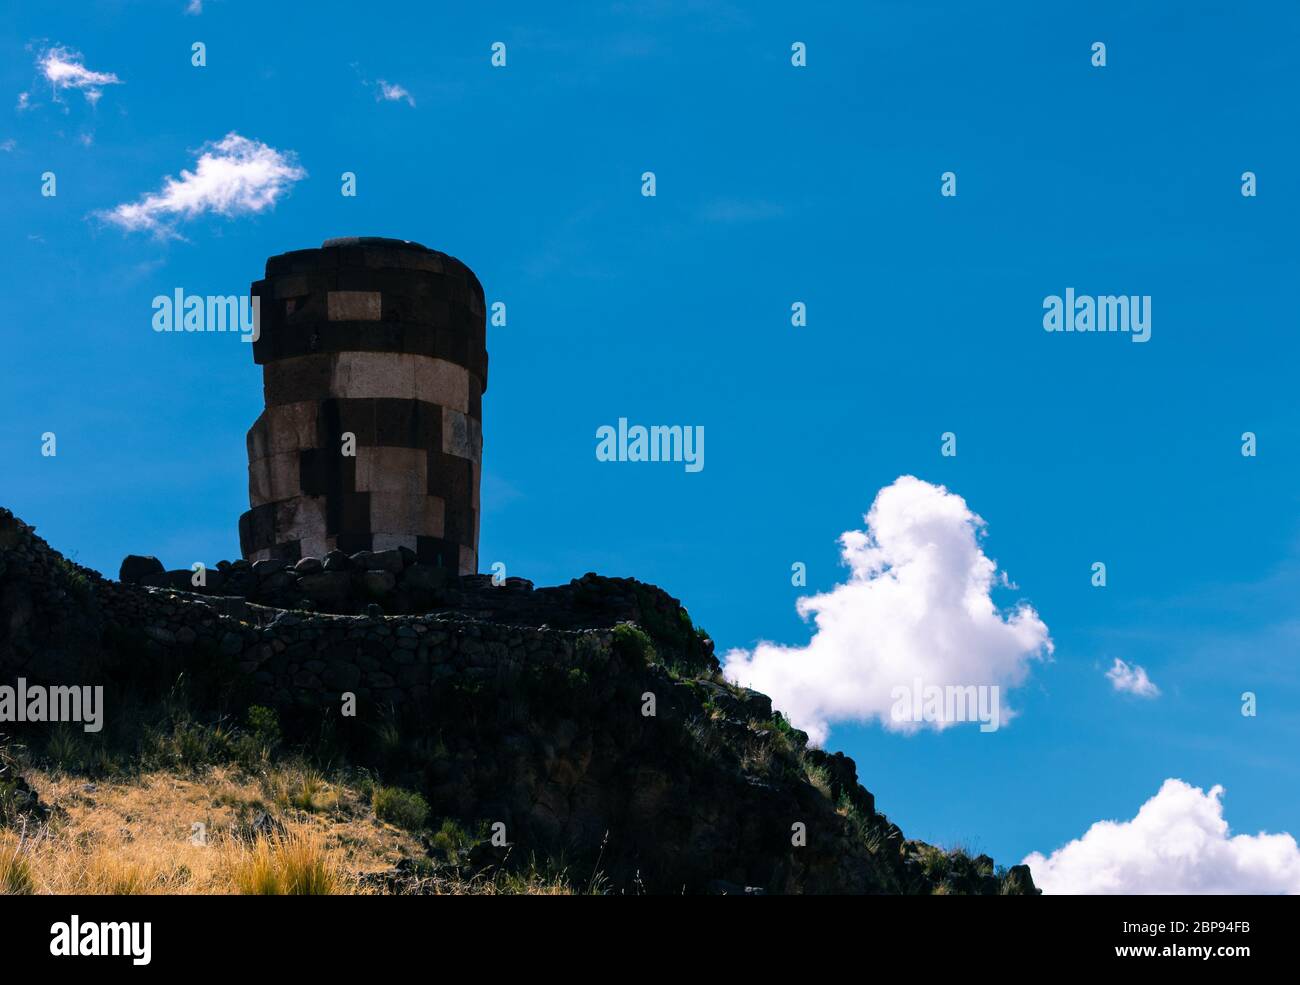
(506, 704)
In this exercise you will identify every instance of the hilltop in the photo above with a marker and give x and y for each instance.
(395, 728)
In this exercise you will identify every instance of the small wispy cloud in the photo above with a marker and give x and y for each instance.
(65, 69)
(233, 176)
(385, 91)
(391, 92)
(1132, 680)
(8, 145)
(194, 8)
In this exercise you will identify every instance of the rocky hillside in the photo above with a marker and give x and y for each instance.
(584, 728)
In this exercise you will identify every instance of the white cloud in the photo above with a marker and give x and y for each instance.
(233, 176)
(194, 8)
(1178, 843)
(385, 91)
(8, 145)
(64, 69)
(917, 604)
(393, 93)
(1132, 680)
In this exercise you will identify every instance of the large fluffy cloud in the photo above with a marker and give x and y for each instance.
(233, 175)
(917, 606)
(1178, 843)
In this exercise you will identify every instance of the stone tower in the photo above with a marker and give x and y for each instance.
(384, 341)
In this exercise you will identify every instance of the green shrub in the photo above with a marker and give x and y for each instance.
(260, 738)
(187, 744)
(264, 724)
(454, 840)
(820, 778)
(404, 808)
(632, 643)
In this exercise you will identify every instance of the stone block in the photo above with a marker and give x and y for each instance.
(300, 378)
(274, 478)
(306, 310)
(256, 438)
(432, 522)
(300, 518)
(354, 515)
(340, 415)
(355, 305)
(290, 427)
(450, 477)
(259, 482)
(395, 513)
(459, 527)
(373, 374)
(468, 560)
(393, 542)
(456, 435)
(438, 381)
(397, 471)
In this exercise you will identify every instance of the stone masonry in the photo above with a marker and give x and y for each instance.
(375, 347)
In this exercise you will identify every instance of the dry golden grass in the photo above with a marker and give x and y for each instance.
(139, 836)
(294, 864)
(15, 872)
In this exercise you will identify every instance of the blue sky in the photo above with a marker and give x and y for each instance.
(775, 184)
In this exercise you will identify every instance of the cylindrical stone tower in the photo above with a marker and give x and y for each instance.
(374, 363)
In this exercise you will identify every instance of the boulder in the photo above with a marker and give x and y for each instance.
(424, 578)
(327, 586)
(1021, 881)
(136, 567)
(377, 584)
(268, 567)
(181, 579)
(390, 561)
(278, 581)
